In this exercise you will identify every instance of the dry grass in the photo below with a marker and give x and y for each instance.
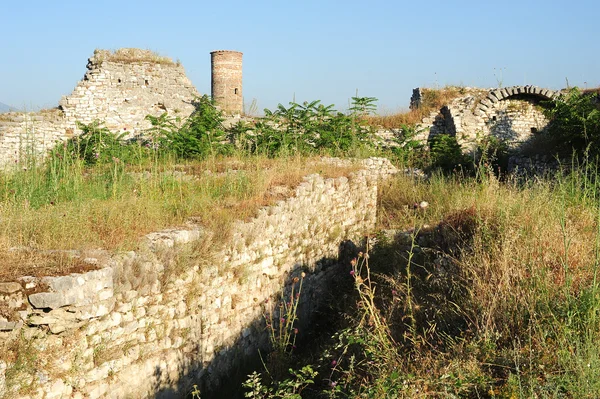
(214, 193)
(592, 90)
(10, 116)
(521, 295)
(46, 113)
(17, 263)
(432, 100)
(539, 230)
(130, 56)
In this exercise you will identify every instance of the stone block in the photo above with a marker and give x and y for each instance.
(9, 325)
(76, 289)
(93, 311)
(482, 107)
(9, 288)
(492, 98)
(38, 320)
(52, 300)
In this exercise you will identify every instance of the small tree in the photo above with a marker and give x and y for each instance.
(575, 121)
(363, 106)
(446, 153)
(202, 133)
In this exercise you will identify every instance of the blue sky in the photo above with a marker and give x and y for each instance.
(308, 49)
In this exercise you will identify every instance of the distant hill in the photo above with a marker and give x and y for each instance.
(6, 108)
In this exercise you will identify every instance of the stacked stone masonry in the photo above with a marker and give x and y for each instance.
(139, 324)
(511, 114)
(119, 88)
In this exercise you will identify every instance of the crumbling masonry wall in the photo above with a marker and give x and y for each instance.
(173, 313)
(119, 88)
(512, 114)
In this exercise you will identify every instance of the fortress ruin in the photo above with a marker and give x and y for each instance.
(120, 89)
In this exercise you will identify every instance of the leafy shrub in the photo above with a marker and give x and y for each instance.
(307, 128)
(446, 153)
(575, 122)
(363, 106)
(201, 135)
(409, 150)
(98, 145)
(290, 388)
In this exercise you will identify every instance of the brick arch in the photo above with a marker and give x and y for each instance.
(506, 93)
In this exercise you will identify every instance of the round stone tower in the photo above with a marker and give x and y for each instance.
(226, 80)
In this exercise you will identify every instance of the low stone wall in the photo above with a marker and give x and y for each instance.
(185, 307)
(29, 135)
(521, 166)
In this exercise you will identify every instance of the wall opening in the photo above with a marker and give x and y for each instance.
(118, 80)
(235, 91)
(534, 130)
(494, 118)
(146, 82)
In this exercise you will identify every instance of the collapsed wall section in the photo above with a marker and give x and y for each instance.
(119, 88)
(175, 312)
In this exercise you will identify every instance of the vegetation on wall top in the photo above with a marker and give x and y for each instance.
(131, 56)
(432, 99)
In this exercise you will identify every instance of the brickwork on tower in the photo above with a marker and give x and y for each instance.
(226, 83)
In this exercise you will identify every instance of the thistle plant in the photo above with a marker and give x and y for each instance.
(280, 321)
(370, 316)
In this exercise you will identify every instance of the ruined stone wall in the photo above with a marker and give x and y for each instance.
(511, 114)
(515, 120)
(455, 118)
(174, 313)
(121, 91)
(28, 135)
(119, 88)
(226, 82)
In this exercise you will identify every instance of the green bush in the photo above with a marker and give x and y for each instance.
(574, 122)
(201, 135)
(446, 153)
(307, 128)
(98, 145)
(409, 150)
